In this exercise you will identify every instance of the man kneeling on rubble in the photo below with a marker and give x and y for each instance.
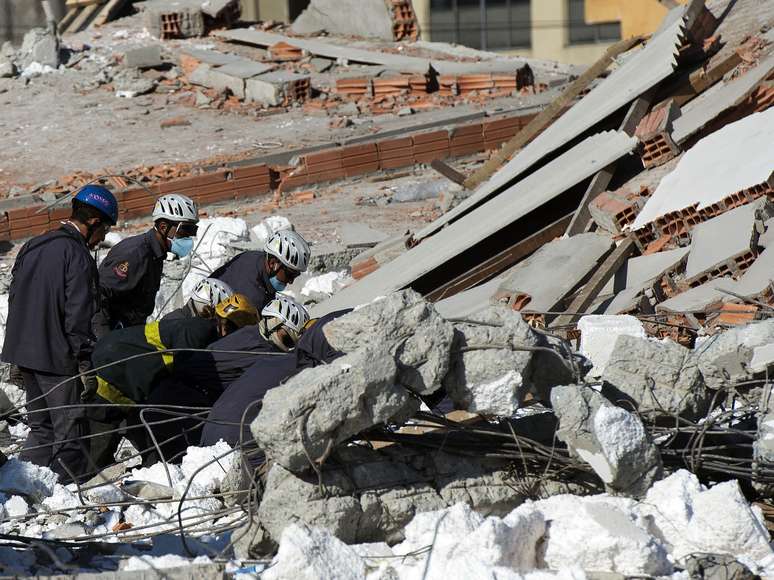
(233, 412)
(260, 275)
(201, 378)
(127, 372)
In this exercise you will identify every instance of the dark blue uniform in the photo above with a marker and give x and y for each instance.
(246, 274)
(214, 371)
(130, 276)
(53, 297)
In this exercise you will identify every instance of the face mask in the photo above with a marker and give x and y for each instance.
(278, 284)
(181, 247)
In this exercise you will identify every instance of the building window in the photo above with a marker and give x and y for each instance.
(482, 24)
(581, 33)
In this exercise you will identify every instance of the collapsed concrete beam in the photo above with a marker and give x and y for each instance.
(610, 439)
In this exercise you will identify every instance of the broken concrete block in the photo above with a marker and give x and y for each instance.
(211, 77)
(167, 19)
(494, 378)
(370, 496)
(610, 439)
(325, 405)
(654, 376)
(277, 89)
(7, 68)
(598, 336)
(143, 57)
(725, 359)
(404, 324)
(40, 46)
(131, 83)
(613, 211)
(368, 18)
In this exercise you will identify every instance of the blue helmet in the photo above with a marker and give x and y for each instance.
(100, 198)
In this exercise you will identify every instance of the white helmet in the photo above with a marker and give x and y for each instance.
(291, 313)
(176, 208)
(290, 249)
(211, 292)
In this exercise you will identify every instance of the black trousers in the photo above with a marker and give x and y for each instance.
(56, 435)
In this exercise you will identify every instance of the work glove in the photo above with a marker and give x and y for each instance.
(89, 383)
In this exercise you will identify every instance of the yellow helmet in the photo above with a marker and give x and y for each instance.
(237, 310)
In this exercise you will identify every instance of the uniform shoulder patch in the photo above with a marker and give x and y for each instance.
(121, 270)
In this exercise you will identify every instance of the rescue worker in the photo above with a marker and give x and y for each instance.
(208, 293)
(204, 376)
(53, 297)
(240, 402)
(281, 324)
(130, 382)
(260, 275)
(130, 275)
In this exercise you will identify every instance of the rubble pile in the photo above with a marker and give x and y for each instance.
(566, 374)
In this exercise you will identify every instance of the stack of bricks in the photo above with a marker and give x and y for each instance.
(245, 182)
(496, 84)
(284, 52)
(405, 85)
(498, 131)
(654, 132)
(355, 88)
(404, 21)
(466, 140)
(395, 153)
(391, 86)
(431, 146)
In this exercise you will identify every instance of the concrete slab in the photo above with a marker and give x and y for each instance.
(470, 301)
(245, 69)
(723, 237)
(736, 157)
(518, 201)
(360, 236)
(212, 57)
(625, 301)
(640, 270)
(549, 274)
(270, 88)
(211, 77)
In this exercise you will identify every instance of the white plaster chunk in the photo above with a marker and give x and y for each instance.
(598, 336)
